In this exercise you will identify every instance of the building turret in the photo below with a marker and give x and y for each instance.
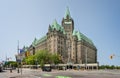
(68, 23)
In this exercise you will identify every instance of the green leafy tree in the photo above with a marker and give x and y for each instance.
(42, 57)
(29, 60)
(10, 64)
(107, 67)
(42, 63)
(55, 59)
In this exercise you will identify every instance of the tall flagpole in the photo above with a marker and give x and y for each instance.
(6, 61)
(19, 59)
(18, 55)
(18, 47)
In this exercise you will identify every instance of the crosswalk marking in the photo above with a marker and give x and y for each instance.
(47, 75)
(62, 77)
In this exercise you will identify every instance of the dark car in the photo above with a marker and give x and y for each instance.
(47, 68)
(1, 68)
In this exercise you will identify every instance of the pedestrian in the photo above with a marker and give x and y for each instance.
(10, 70)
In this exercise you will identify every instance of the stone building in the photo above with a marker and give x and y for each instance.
(73, 46)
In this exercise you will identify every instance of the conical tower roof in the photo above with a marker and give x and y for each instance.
(67, 13)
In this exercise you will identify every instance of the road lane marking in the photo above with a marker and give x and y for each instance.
(47, 75)
(62, 77)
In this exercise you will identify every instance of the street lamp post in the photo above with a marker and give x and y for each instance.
(21, 63)
(69, 54)
(36, 62)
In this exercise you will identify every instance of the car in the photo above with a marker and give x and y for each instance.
(47, 68)
(1, 68)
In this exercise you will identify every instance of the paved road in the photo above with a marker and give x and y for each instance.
(30, 73)
(81, 74)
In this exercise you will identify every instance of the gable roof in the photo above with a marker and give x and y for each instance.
(81, 36)
(56, 26)
(37, 41)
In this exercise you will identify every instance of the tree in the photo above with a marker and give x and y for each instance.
(11, 64)
(42, 63)
(29, 60)
(55, 58)
(43, 57)
(108, 67)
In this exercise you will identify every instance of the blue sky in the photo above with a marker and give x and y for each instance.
(24, 20)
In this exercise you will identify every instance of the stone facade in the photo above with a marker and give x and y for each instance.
(72, 46)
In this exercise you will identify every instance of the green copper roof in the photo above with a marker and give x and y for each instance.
(37, 41)
(26, 48)
(81, 36)
(41, 39)
(74, 32)
(56, 26)
(67, 13)
(34, 42)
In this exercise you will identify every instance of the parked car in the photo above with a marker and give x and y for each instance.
(1, 68)
(47, 68)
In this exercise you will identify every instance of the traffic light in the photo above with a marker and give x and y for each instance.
(111, 57)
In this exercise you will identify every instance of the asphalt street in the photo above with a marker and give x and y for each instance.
(33, 73)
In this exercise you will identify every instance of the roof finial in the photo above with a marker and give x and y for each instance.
(54, 22)
(67, 13)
